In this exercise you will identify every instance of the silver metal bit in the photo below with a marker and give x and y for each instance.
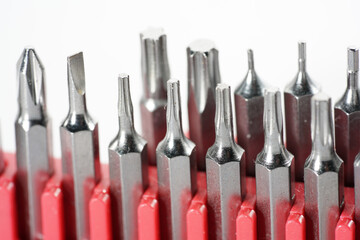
(347, 118)
(297, 96)
(323, 174)
(274, 173)
(225, 171)
(203, 76)
(249, 108)
(33, 144)
(80, 152)
(128, 168)
(176, 168)
(155, 72)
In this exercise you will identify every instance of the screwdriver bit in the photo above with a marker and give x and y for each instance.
(155, 73)
(203, 76)
(274, 173)
(33, 144)
(225, 171)
(80, 152)
(249, 109)
(176, 168)
(128, 168)
(297, 96)
(323, 174)
(347, 118)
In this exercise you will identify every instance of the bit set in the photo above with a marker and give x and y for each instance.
(167, 184)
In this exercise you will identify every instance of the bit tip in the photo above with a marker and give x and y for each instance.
(174, 108)
(302, 51)
(272, 111)
(202, 46)
(76, 72)
(223, 113)
(250, 58)
(152, 33)
(125, 108)
(353, 59)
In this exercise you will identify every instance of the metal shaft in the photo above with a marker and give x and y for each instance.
(225, 171)
(128, 168)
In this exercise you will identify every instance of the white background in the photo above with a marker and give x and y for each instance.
(108, 34)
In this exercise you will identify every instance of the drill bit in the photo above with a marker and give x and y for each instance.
(176, 168)
(274, 169)
(80, 152)
(249, 107)
(347, 119)
(225, 171)
(128, 168)
(203, 76)
(297, 96)
(155, 72)
(323, 174)
(33, 145)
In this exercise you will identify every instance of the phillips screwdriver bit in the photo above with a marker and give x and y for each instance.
(323, 174)
(155, 73)
(80, 152)
(347, 119)
(176, 168)
(274, 173)
(203, 76)
(297, 96)
(249, 108)
(128, 168)
(225, 171)
(33, 144)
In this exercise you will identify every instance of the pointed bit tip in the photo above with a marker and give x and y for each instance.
(302, 50)
(76, 72)
(250, 55)
(353, 59)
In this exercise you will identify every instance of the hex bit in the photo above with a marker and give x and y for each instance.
(128, 168)
(323, 174)
(225, 171)
(274, 173)
(297, 96)
(203, 76)
(176, 168)
(347, 118)
(249, 109)
(33, 144)
(80, 153)
(155, 73)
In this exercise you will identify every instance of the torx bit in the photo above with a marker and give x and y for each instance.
(323, 174)
(225, 171)
(347, 118)
(274, 169)
(80, 152)
(33, 144)
(176, 168)
(155, 73)
(297, 96)
(128, 168)
(203, 76)
(249, 108)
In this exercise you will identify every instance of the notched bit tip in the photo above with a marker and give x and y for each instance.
(76, 72)
(353, 59)
(153, 33)
(125, 108)
(302, 51)
(202, 46)
(223, 114)
(173, 113)
(272, 111)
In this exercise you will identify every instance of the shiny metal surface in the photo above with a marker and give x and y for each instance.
(203, 76)
(297, 96)
(80, 153)
(347, 118)
(176, 168)
(155, 72)
(249, 109)
(33, 144)
(274, 173)
(225, 171)
(323, 174)
(128, 168)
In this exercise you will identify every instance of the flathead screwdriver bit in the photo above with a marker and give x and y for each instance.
(80, 153)
(155, 73)
(274, 173)
(128, 168)
(203, 76)
(297, 96)
(176, 169)
(249, 109)
(33, 144)
(347, 118)
(225, 171)
(323, 174)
